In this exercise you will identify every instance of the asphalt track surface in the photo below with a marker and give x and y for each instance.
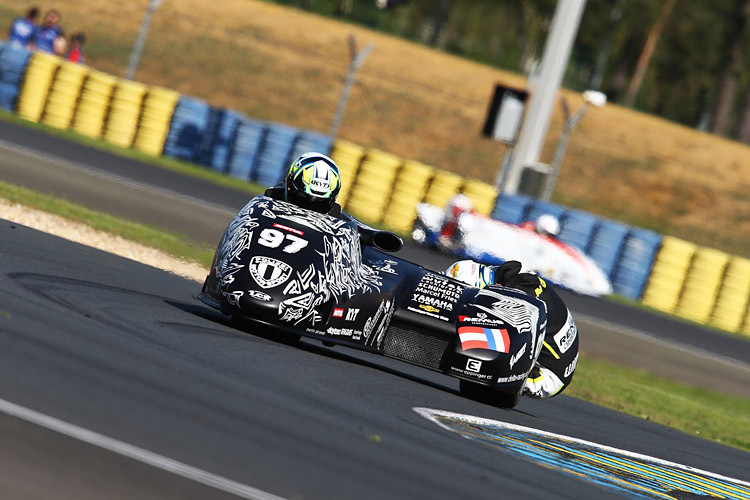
(124, 350)
(201, 210)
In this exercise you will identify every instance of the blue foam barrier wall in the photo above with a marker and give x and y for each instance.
(186, 128)
(634, 267)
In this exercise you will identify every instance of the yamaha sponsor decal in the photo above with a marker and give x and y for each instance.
(438, 292)
(268, 272)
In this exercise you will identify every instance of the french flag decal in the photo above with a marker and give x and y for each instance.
(476, 337)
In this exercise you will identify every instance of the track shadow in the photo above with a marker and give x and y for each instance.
(311, 345)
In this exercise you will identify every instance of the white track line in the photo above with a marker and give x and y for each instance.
(91, 170)
(139, 454)
(433, 415)
(673, 344)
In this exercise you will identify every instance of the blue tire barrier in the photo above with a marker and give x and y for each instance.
(577, 229)
(217, 141)
(275, 154)
(8, 96)
(511, 208)
(634, 268)
(309, 141)
(606, 245)
(189, 121)
(13, 63)
(540, 207)
(247, 148)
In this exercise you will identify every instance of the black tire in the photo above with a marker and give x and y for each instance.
(490, 395)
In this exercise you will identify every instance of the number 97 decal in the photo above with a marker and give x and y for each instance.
(273, 238)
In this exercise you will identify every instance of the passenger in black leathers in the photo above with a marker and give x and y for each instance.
(554, 368)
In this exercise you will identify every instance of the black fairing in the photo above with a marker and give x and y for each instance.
(308, 273)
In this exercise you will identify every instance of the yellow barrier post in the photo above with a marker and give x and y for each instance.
(124, 112)
(36, 84)
(733, 297)
(372, 188)
(482, 196)
(63, 96)
(408, 191)
(93, 105)
(444, 186)
(154, 125)
(702, 285)
(348, 157)
(668, 274)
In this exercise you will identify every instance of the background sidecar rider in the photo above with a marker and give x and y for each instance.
(312, 182)
(553, 370)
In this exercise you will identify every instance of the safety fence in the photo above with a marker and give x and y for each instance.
(668, 274)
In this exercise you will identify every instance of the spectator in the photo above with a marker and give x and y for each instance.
(22, 29)
(48, 33)
(76, 48)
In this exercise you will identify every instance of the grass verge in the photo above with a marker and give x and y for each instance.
(710, 415)
(171, 243)
(181, 167)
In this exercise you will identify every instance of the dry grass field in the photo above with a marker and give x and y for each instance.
(285, 65)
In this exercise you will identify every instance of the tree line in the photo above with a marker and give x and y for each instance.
(687, 61)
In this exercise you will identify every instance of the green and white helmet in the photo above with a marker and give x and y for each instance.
(313, 182)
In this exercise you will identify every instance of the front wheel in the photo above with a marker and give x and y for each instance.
(490, 395)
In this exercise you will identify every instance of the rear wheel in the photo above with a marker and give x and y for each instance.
(490, 395)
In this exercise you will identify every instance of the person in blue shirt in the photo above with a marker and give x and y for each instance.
(22, 29)
(47, 34)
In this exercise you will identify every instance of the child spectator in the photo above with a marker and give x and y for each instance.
(76, 48)
(48, 33)
(22, 29)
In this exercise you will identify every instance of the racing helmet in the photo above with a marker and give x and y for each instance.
(313, 182)
(548, 225)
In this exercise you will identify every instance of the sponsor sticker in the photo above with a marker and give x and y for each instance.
(287, 228)
(474, 365)
(344, 332)
(268, 272)
(514, 359)
(258, 295)
(351, 314)
(429, 308)
(338, 313)
(565, 337)
(477, 337)
(437, 291)
(571, 367)
(468, 372)
(512, 378)
(428, 313)
(454, 270)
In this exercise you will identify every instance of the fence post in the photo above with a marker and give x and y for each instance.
(135, 54)
(356, 61)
